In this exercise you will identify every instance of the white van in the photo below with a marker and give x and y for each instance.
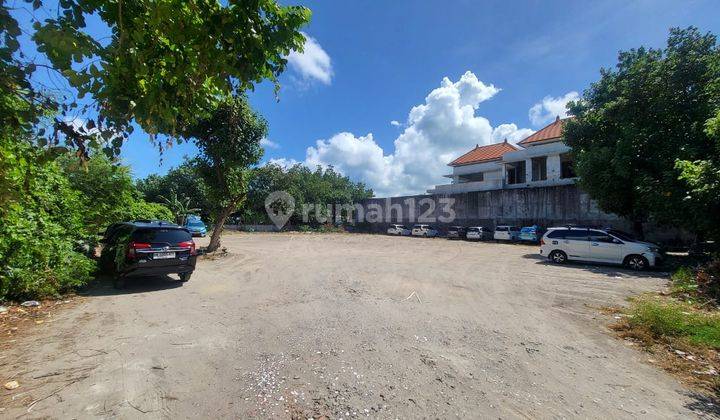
(598, 245)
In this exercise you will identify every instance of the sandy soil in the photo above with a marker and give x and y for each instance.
(301, 325)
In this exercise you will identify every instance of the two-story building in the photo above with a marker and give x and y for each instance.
(540, 160)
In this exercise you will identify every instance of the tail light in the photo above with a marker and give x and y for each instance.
(188, 245)
(542, 242)
(134, 246)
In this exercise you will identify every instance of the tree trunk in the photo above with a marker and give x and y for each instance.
(220, 223)
(638, 229)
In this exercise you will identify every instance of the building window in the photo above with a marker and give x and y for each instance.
(516, 172)
(539, 168)
(566, 166)
(476, 177)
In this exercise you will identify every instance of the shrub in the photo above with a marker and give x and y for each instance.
(41, 229)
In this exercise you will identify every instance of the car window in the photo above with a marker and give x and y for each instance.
(576, 235)
(596, 236)
(501, 229)
(170, 236)
(557, 233)
(622, 235)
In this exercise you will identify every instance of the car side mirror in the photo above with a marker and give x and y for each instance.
(617, 241)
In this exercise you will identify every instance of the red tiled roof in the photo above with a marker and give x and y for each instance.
(484, 154)
(552, 131)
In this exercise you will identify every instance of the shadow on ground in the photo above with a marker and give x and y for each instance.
(703, 405)
(102, 286)
(609, 270)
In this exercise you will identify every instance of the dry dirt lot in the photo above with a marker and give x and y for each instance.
(344, 326)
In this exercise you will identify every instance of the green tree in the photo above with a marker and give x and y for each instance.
(180, 206)
(165, 63)
(636, 123)
(228, 145)
(185, 181)
(107, 192)
(321, 186)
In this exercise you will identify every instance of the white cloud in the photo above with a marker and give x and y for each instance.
(544, 112)
(313, 63)
(510, 132)
(395, 123)
(283, 162)
(269, 144)
(437, 131)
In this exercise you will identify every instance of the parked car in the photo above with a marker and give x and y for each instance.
(599, 245)
(424, 230)
(476, 233)
(506, 233)
(530, 234)
(147, 248)
(196, 226)
(399, 230)
(456, 232)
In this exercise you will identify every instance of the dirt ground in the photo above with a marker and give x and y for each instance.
(343, 326)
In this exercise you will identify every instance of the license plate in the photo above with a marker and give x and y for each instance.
(163, 255)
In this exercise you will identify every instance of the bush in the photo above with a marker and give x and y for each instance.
(143, 210)
(41, 229)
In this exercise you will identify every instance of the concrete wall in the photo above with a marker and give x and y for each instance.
(543, 206)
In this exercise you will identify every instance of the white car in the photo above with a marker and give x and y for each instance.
(398, 230)
(599, 245)
(424, 230)
(475, 233)
(507, 233)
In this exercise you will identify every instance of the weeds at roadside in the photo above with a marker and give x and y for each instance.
(683, 338)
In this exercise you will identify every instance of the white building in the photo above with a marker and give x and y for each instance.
(539, 160)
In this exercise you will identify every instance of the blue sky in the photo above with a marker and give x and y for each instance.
(372, 62)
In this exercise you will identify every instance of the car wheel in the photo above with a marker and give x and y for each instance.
(184, 277)
(636, 262)
(558, 257)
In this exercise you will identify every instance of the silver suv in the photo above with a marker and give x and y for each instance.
(598, 245)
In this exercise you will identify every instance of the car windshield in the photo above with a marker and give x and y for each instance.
(528, 230)
(622, 235)
(170, 236)
(196, 223)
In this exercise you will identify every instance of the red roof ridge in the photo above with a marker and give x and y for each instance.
(486, 153)
(549, 132)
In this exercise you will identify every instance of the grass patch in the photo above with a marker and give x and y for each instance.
(671, 318)
(683, 281)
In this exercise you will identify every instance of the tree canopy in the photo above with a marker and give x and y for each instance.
(634, 127)
(163, 63)
(228, 145)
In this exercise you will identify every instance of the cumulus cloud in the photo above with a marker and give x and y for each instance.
(395, 123)
(549, 108)
(267, 143)
(437, 131)
(283, 162)
(313, 63)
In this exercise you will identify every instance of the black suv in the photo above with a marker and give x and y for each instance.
(147, 248)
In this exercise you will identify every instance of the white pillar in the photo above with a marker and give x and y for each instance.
(528, 170)
(553, 167)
